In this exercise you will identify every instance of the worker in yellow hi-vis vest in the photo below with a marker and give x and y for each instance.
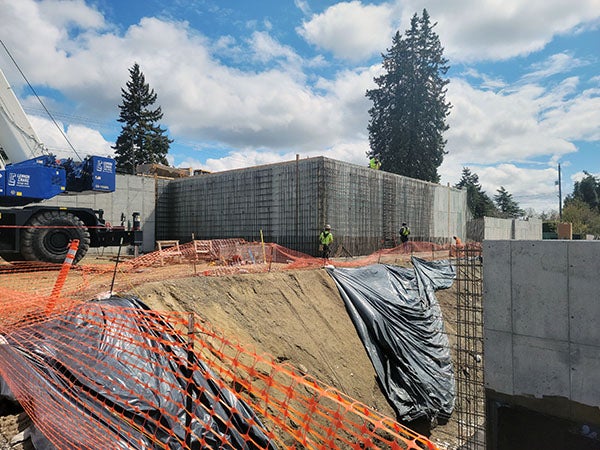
(374, 163)
(325, 240)
(404, 233)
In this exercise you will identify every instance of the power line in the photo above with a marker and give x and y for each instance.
(72, 118)
(39, 99)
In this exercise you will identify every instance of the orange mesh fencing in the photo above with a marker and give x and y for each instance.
(126, 377)
(198, 389)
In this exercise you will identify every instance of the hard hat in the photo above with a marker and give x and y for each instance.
(328, 227)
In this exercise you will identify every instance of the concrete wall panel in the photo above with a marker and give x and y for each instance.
(527, 229)
(494, 228)
(584, 292)
(555, 315)
(540, 289)
(497, 285)
(132, 194)
(498, 366)
(541, 367)
(585, 374)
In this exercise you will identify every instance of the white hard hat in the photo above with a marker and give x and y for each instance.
(328, 227)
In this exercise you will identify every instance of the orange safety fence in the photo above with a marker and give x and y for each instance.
(103, 375)
(66, 379)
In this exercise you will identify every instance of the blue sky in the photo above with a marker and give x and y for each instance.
(244, 83)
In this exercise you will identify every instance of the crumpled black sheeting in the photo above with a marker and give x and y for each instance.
(94, 373)
(400, 323)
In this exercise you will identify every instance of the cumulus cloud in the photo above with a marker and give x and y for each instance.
(526, 123)
(470, 30)
(56, 138)
(492, 127)
(350, 30)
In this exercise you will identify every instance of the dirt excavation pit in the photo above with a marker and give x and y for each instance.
(299, 318)
(296, 316)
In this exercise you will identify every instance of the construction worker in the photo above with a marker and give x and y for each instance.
(325, 240)
(404, 233)
(374, 163)
(457, 247)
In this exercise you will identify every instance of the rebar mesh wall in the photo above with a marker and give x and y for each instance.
(291, 202)
(165, 208)
(469, 369)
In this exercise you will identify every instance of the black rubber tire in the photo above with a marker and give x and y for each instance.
(50, 242)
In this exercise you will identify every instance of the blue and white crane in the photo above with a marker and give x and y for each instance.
(29, 174)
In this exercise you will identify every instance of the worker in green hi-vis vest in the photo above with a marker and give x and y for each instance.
(374, 163)
(404, 233)
(325, 240)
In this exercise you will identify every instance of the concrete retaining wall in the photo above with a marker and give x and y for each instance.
(494, 228)
(291, 202)
(542, 339)
(132, 194)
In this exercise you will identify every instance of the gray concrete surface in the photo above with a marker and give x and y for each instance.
(494, 228)
(132, 194)
(541, 320)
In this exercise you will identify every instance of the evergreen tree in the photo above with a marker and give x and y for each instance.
(508, 207)
(584, 219)
(587, 190)
(478, 201)
(409, 111)
(141, 139)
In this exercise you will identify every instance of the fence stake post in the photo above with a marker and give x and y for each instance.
(62, 275)
(189, 390)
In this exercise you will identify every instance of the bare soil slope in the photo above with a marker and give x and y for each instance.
(296, 316)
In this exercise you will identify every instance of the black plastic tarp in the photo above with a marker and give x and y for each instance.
(400, 323)
(97, 366)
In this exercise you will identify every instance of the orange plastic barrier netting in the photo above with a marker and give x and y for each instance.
(198, 258)
(67, 379)
(112, 374)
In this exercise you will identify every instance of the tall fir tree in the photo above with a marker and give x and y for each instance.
(587, 190)
(478, 201)
(141, 140)
(408, 116)
(507, 206)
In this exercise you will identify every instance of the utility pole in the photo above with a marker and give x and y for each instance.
(559, 195)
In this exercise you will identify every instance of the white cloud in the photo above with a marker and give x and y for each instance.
(556, 64)
(266, 49)
(576, 118)
(350, 30)
(535, 126)
(489, 127)
(303, 6)
(474, 30)
(469, 30)
(531, 188)
(86, 141)
(64, 14)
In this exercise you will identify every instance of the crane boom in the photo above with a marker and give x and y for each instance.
(18, 139)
